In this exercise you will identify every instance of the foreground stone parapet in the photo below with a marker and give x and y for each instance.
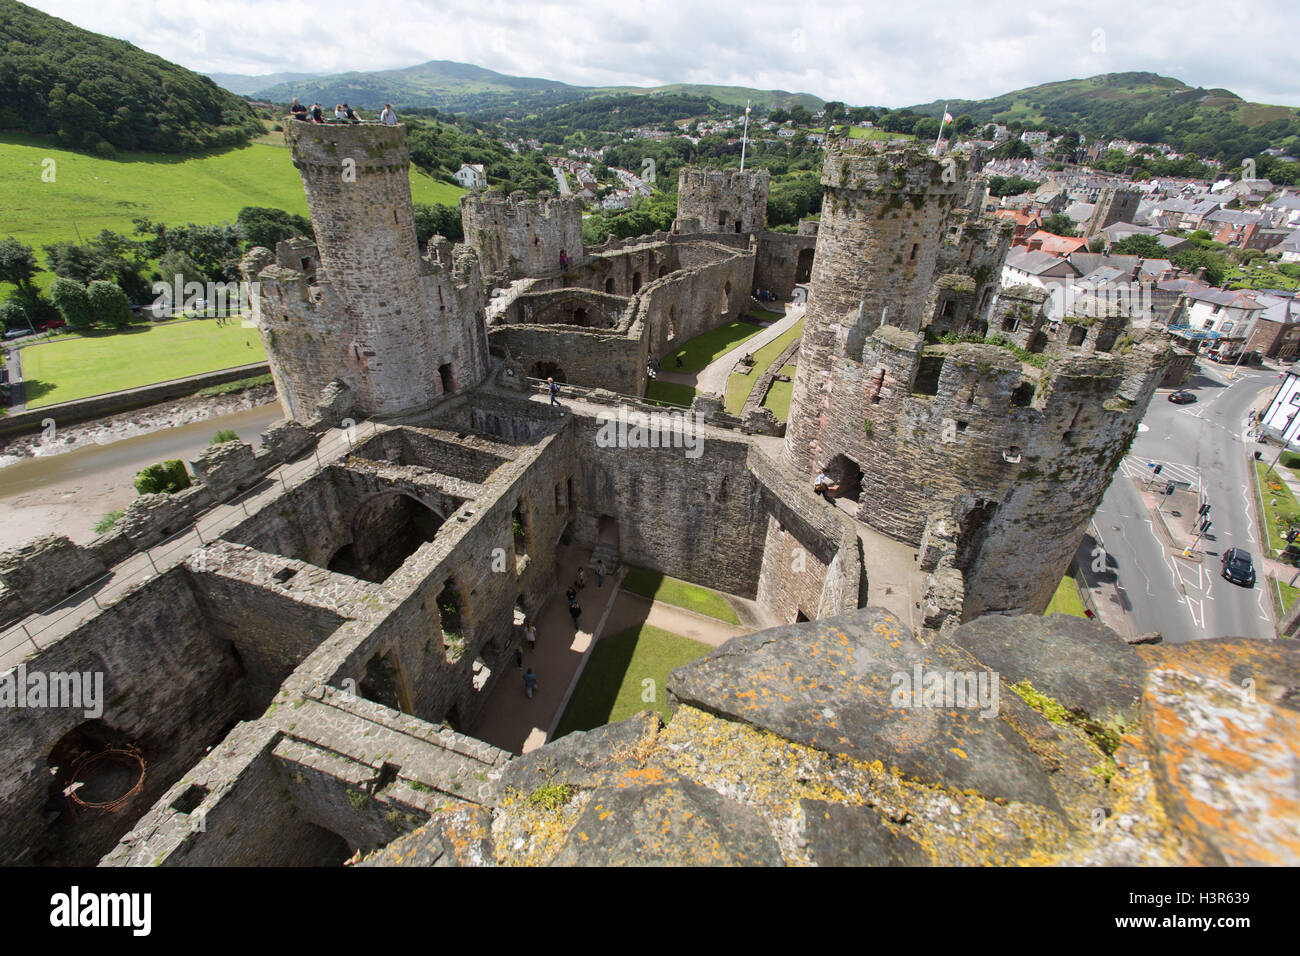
(851, 691)
(1222, 718)
(783, 749)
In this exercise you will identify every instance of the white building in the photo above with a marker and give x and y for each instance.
(1281, 420)
(472, 177)
(1231, 315)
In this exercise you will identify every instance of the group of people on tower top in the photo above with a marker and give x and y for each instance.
(342, 113)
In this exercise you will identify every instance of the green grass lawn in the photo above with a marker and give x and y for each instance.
(670, 392)
(612, 686)
(862, 132)
(1066, 600)
(1286, 593)
(739, 386)
(77, 367)
(698, 352)
(90, 194)
(660, 587)
(1273, 488)
(778, 396)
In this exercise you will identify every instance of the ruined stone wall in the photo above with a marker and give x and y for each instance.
(711, 289)
(516, 236)
(699, 519)
(1019, 314)
(583, 308)
(171, 687)
(613, 360)
(967, 272)
(723, 200)
(781, 261)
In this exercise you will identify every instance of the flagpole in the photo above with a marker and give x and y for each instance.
(942, 119)
(744, 137)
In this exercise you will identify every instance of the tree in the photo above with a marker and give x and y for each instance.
(833, 111)
(1148, 247)
(779, 116)
(963, 123)
(17, 263)
(73, 303)
(13, 316)
(265, 226)
(1059, 224)
(800, 115)
(107, 256)
(163, 478)
(223, 436)
(440, 219)
(1019, 149)
(109, 304)
(1098, 244)
(1189, 260)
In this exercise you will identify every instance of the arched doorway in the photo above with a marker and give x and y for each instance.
(726, 298)
(844, 471)
(607, 531)
(636, 282)
(544, 370)
(803, 269)
(609, 285)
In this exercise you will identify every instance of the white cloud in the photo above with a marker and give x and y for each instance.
(879, 53)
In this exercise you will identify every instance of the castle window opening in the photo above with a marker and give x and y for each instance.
(723, 216)
(450, 615)
(636, 282)
(447, 379)
(544, 370)
(387, 529)
(927, 375)
(916, 248)
(663, 271)
(519, 527)
(726, 298)
(609, 285)
(1023, 395)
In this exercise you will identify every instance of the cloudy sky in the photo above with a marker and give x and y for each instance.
(892, 53)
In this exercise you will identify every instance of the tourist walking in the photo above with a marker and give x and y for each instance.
(575, 611)
(554, 388)
(519, 658)
(600, 573)
(530, 683)
(581, 579)
(388, 117)
(570, 595)
(530, 632)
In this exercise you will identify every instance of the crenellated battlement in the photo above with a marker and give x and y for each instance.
(722, 200)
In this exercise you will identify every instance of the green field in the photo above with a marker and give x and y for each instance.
(673, 393)
(612, 685)
(90, 194)
(862, 132)
(698, 352)
(1066, 600)
(692, 597)
(739, 386)
(1280, 516)
(778, 396)
(74, 367)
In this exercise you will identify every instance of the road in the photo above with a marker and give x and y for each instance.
(561, 181)
(1204, 444)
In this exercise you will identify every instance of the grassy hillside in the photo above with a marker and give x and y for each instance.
(90, 194)
(99, 94)
(731, 95)
(1143, 107)
(462, 87)
(443, 84)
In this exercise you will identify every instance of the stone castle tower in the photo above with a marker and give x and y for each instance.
(362, 305)
(722, 200)
(516, 236)
(1113, 205)
(1002, 459)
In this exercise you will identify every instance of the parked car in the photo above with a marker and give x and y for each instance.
(1237, 567)
(1182, 397)
(16, 333)
(51, 324)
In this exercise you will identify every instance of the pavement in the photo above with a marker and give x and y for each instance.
(1135, 572)
(713, 377)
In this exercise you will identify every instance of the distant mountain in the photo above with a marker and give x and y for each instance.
(93, 92)
(462, 87)
(1145, 108)
(242, 84)
(443, 84)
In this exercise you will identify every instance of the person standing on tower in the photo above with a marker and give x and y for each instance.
(388, 117)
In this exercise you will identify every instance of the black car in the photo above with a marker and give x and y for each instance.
(1237, 567)
(1182, 397)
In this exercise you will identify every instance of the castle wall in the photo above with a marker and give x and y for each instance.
(723, 200)
(516, 236)
(612, 360)
(710, 290)
(170, 687)
(781, 259)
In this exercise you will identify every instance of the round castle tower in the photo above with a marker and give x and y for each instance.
(1012, 455)
(362, 306)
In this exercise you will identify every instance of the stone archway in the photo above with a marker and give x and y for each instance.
(543, 369)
